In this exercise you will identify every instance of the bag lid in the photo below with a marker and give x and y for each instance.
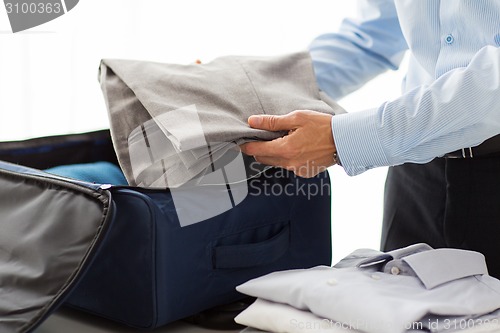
(50, 230)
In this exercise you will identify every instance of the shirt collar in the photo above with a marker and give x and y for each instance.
(433, 267)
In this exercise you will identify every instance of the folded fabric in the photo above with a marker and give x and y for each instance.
(415, 288)
(170, 123)
(266, 316)
(276, 317)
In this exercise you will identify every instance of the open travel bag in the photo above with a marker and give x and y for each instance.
(120, 252)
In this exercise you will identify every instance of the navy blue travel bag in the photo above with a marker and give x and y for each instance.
(147, 270)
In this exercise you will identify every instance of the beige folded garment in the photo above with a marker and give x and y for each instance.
(170, 123)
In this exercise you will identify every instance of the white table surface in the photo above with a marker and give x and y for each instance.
(72, 321)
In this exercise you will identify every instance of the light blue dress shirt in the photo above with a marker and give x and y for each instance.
(451, 94)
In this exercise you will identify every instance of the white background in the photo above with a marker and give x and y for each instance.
(48, 75)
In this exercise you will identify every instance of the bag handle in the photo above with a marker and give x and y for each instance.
(250, 255)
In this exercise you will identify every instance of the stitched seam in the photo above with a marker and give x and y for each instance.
(252, 85)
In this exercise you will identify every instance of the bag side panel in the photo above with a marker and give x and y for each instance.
(186, 265)
(152, 271)
(121, 284)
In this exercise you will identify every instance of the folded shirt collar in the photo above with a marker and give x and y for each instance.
(433, 267)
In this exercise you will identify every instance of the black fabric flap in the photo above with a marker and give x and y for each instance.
(47, 152)
(50, 230)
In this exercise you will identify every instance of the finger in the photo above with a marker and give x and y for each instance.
(244, 149)
(273, 123)
(264, 148)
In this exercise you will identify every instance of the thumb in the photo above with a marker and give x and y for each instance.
(273, 123)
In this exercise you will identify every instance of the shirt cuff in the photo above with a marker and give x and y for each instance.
(357, 141)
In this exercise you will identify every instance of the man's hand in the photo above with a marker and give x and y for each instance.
(307, 149)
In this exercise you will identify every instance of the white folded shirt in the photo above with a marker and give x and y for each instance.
(282, 318)
(443, 290)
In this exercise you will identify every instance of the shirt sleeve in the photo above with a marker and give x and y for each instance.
(459, 109)
(362, 49)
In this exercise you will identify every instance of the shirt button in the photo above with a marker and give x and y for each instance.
(395, 270)
(332, 282)
(449, 39)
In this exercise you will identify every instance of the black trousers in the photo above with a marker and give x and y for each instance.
(445, 203)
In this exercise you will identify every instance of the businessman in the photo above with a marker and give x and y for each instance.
(440, 137)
